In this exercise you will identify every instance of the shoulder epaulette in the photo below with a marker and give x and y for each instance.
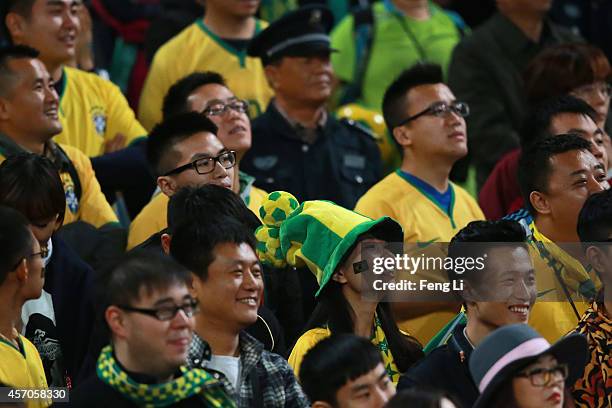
(353, 124)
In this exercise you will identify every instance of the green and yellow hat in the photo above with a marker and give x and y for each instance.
(317, 234)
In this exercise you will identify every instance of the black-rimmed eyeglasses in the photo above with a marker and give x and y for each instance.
(42, 253)
(220, 108)
(440, 109)
(541, 377)
(206, 165)
(165, 313)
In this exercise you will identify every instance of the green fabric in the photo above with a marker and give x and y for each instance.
(193, 382)
(123, 60)
(317, 234)
(441, 338)
(240, 54)
(392, 50)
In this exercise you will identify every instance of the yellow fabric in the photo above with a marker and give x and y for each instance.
(93, 110)
(92, 207)
(22, 370)
(423, 222)
(552, 316)
(154, 216)
(309, 339)
(196, 49)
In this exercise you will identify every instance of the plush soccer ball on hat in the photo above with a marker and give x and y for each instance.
(276, 207)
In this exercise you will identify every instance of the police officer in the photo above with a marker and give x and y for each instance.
(297, 145)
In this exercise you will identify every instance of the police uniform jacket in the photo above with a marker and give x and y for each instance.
(340, 164)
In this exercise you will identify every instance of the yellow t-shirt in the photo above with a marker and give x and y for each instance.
(93, 110)
(423, 222)
(22, 368)
(553, 315)
(154, 216)
(92, 206)
(194, 49)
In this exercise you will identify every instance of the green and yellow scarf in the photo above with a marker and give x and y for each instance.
(570, 270)
(193, 382)
(379, 340)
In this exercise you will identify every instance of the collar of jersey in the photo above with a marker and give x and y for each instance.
(241, 55)
(451, 207)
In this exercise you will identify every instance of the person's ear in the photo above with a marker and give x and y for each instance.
(22, 271)
(340, 276)
(167, 185)
(272, 74)
(539, 202)
(320, 404)
(4, 110)
(596, 258)
(115, 319)
(16, 26)
(166, 240)
(402, 136)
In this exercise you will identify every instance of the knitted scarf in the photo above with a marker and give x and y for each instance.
(193, 382)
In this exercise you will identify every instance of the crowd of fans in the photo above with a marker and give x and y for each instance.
(193, 195)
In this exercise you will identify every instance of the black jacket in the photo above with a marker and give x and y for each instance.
(445, 369)
(340, 165)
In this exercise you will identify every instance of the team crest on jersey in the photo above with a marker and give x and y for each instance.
(72, 202)
(98, 115)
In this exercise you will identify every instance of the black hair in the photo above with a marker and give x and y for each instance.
(333, 362)
(8, 53)
(31, 184)
(193, 243)
(595, 218)
(142, 270)
(171, 131)
(421, 398)
(395, 100)
(205, 204)
(535, 166)
(16, 240)
(334, 310)
(537, 124)
(21, 7)
(175, 101)
(478, 237)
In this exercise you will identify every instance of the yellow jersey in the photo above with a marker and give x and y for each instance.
(194, 49)
(92, 111)
(154, 216)
(424, 222)
(84, 198)
(22, 368)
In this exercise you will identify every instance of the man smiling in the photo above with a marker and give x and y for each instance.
(227, 280)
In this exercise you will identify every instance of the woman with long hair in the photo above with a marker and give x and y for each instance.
(338, 246)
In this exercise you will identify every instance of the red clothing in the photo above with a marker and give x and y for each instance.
(501, 195)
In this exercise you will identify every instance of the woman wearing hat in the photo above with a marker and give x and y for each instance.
(329, 240)
(515, 367)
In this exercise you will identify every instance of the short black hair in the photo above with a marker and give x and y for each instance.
(535, 166)
(394, 104)
(142, 270)
(31, 184)
(8, 53)
(193, 243)
(16, 240)
(205, 204)
(171, 131)
(476, 238)
(595, 218)
(175, 101)
(335, 361)
(537, 124)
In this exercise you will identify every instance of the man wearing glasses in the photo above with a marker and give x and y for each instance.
(428, 124)
(299, 147)
(149, 314)
(183, 151)
(21, 279)
(208, 94)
